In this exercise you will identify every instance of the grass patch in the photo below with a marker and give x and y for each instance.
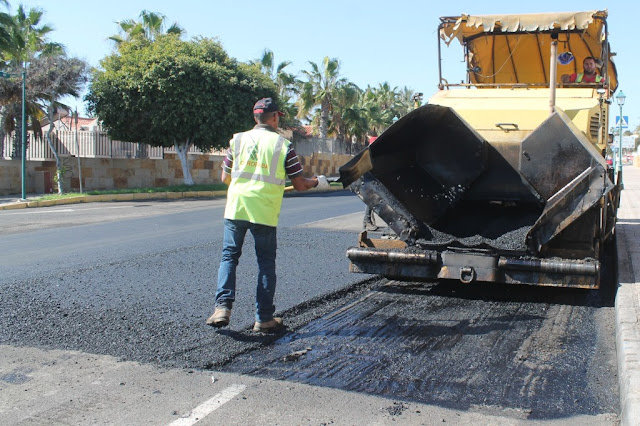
(174, 188)
(58, 196)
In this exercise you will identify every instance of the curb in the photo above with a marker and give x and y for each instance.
(127, 197)
(112, 197)
(627, 308)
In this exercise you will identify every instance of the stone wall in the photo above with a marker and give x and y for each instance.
(107, 173)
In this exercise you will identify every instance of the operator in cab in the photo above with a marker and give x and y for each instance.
(589, 74)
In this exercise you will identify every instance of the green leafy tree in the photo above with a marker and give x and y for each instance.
(150, 26)
(52, 77)
(176, 93)
(319, 90)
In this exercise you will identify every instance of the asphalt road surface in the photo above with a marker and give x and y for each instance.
(135, 281)
(140, 286)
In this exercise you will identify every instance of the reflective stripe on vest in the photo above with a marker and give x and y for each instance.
(581, 75)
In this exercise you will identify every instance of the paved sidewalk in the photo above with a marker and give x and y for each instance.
(628, 297)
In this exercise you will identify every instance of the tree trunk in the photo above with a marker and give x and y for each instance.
(59, 172)
(2, 133)
(182, 149)
(17, 141)
(141, 150)
(324, 121)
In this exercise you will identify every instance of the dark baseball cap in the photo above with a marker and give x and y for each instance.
(266, 105)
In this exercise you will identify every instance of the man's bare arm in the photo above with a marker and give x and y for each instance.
(300, 183)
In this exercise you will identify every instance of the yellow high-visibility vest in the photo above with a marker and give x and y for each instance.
(580, 76)
(257, 176)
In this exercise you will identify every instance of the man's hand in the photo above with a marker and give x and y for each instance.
(323, 183)
(301, 183)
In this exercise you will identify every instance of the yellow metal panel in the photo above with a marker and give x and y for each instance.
(522, 110)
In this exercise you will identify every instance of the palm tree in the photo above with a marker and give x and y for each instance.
(355, 123)
(149, 28)
(28, 40)
(30, 37)
(376, 116)
(319, 90)
(6, 24)
(406, 101)
(345, 111)
(266, 63)
(5, 30)
(385, 96)
(286, 85)
(285, 82)
(382, 104)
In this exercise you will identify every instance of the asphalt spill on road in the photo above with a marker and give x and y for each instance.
(534, 353)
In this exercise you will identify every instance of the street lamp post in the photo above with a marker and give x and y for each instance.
(24, 130)
(24, 136)
(620, 98)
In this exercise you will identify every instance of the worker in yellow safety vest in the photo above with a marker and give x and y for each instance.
(589, 75)
(255, 168)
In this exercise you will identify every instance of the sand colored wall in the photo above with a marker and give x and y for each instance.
(107, 173)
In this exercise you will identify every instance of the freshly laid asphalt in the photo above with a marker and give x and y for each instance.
(627, 303)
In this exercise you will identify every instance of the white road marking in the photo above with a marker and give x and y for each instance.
(207, 407)
(104, 208)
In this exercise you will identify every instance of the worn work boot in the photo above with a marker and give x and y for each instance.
(220, 317)
(370, 227)
(268, 326)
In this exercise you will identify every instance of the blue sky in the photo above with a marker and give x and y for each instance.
(375, 40)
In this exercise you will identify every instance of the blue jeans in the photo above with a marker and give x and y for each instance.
(265, 244)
